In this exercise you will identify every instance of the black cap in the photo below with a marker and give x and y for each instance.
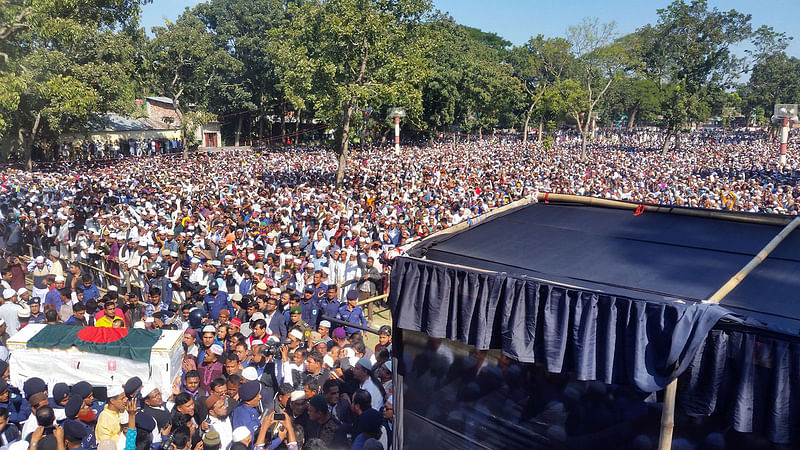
(249, 390)
(386, 329)
(60, 391)
(73, 406)
(74, 430)
(82, 389)
(369, 421)
(33, 385)
(132, 385)
(145, 422)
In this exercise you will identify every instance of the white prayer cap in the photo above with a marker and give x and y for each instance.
(240, 434)
(298, 395)
(148, 389)
(250, 373)
(8, 293)
(297, 334)
(60, 278)
(115, 390)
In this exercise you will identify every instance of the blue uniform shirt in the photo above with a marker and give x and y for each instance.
(330, 307)
(213, 304)
(311, 311)
(245, 416)
(356, 317)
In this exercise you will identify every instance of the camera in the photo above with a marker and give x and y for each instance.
(273, 349)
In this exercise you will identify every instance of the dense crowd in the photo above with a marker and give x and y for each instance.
(262, 262)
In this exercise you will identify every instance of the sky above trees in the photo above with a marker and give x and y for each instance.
(518, 20)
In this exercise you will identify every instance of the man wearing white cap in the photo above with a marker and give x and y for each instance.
(175, 273)
(53, 298)
(108, 420)
(39, 269)
(9, 310)
(196, 274)
(154, 404)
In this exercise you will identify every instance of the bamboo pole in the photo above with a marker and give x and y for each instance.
(758, 259)
(767, 219)
(668, 413)
(372, 299)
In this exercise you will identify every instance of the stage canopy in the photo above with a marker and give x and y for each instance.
(617, 297)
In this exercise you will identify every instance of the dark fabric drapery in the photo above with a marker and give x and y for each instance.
(750, 377)
(597, 336)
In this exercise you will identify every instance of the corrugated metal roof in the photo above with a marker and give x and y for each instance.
(116, 122)
(160, 99)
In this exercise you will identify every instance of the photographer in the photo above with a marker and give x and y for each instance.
(46, 436)
(280, 431)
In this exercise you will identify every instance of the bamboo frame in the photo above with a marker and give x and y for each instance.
(668, 413)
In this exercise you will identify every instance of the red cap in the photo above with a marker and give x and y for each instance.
(236, 321)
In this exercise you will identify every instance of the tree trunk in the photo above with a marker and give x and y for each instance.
(584, 138)
(27, 143)
(665, 147)
(541, 126)
(480, 134)
(344, 142)
(632, 117)
(261, 129)
(283, 123)
(238, 134)
(527, 122)
(297, 129)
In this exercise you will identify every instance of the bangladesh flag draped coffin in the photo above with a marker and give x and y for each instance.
(135, 343)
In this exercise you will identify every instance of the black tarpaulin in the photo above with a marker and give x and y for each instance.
(652, 255)
(615, 297)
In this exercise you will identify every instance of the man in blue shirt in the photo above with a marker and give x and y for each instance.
(352, 313)
(37, 316)
(90, 291)
(310, 307)
(246, 415)
(320, 288)
(53, 297)
(330, 304)
(215, 301)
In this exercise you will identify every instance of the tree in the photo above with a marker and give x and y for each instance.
(61, 63)
(775, 77)
(539, 65)
(635, 98)
(188, 65)
(690, 47)
(239, 27)
(599, 61)
(337, 54)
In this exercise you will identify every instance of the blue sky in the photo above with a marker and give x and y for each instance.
(518, 20)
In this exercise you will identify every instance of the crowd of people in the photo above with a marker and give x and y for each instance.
(262, 262)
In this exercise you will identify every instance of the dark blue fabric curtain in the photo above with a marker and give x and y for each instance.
(597, 336)
(750, 377)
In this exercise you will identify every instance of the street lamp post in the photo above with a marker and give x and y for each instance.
(397, 113)
(786, 115)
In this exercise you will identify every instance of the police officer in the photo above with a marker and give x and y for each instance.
(352, 313)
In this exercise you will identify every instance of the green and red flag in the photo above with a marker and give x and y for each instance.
(133, 343)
